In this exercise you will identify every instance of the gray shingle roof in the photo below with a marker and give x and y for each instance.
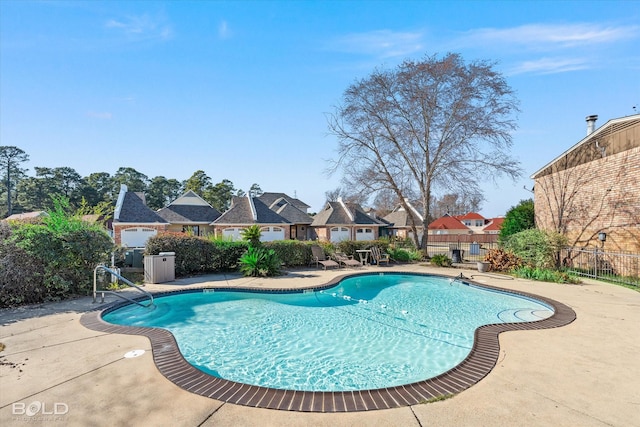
(400, 218)
(266, 215)
(134, 210)
(335, 214)
(331, 214)
(269, 198)
(180, 214)
(292, 214)
(240, 213)
(361, 217)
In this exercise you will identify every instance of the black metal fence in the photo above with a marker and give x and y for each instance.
(620, 267)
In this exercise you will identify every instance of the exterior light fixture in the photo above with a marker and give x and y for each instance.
(602, 237)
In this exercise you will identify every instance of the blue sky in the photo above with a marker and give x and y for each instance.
(240, 89)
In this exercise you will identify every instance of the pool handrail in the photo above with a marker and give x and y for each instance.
(123, 279)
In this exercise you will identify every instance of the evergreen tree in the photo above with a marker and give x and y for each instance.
(519, 218)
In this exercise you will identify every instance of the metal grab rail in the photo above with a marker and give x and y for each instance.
(125, 280)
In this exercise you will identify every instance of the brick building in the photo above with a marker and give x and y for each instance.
(594, 188)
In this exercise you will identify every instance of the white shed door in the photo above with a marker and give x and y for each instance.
(364, 234)
(269, 234)
(339, 234)
(136, 237)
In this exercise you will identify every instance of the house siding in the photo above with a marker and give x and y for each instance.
(601, 195)
(322, 233)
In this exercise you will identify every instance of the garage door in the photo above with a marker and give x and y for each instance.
(136, 237)
(364, 234)
(339, 234)
(233, 233)
(269, 234)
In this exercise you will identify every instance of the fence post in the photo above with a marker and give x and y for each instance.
(595, 260)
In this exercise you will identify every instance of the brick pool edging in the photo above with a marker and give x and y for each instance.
(480, 361)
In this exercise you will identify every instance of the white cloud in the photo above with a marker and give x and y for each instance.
(550, 66)
(552, 36)
(143, 27)
(381, 43)
(557, 48)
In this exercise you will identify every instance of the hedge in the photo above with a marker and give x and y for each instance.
(197, 255)
(293, 253)
(49, 261)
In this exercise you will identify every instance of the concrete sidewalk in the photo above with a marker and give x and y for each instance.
(583, 374)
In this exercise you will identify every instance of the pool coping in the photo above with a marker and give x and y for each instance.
(478, 364)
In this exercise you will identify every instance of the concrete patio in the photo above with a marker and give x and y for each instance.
(583, 374)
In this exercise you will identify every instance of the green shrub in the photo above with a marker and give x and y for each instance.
(544, 275)
(536, 247)
(197, 255)
(252, 235)
(405, 243)
(192, 253)
(404, 255)
(225, 255)
(518, 218)
(84, 249)
(258, 261)
(69, 255)
(328, 247)
(50, 260)
(21, 275)
(441, 260)
(292, 252)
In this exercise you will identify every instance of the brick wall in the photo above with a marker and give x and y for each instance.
(600, 196)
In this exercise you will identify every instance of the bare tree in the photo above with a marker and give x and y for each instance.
(10, 159)
(425, 126)
(456, 204)
(346, 195)
(385, 202)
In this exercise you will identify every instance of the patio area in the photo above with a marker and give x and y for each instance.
(585, 373)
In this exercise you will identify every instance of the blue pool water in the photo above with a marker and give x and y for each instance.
(370, 331)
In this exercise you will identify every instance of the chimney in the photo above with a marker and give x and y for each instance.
(591, 123)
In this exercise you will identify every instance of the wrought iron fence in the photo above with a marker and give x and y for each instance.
(617, 267)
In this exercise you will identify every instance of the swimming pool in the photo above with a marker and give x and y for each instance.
(370, 331)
